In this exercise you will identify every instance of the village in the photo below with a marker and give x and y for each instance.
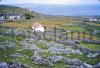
(4, 17)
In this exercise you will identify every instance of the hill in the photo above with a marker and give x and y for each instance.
(16, 10)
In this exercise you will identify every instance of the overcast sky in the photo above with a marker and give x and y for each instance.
(65, 2)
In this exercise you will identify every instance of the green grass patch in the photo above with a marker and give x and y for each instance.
(74, 27)
(90, 45)
(46, 54)
(84, 58)
(41, 45)
(26, 52)
(5, 55)
(61, 64)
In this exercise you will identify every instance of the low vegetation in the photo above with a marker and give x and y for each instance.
(90, 46)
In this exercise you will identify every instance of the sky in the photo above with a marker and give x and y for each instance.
(64, 2)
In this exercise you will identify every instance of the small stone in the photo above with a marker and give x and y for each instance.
(42, 61)
(16, 55)
(92, 55)
(87, 65)
(55, 58)
(73, 61)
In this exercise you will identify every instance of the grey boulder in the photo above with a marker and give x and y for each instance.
(43, 61)
(3, 65)
(73, 61)
(55, 58)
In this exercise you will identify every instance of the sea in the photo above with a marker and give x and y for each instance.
(65, 10)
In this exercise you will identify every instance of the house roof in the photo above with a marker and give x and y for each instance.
(36, 25)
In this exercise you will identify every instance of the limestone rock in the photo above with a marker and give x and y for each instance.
(92, 55)
(87, 65)
(3, 65)
(73, 61)
(55, 58)
(16, 55)
(16, 65)
(42, 61)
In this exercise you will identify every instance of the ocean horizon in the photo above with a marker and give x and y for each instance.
(65, 10)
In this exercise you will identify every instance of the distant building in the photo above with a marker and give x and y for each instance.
(15, 17)
(2, 17)
(38, 27)
(11, 17)
(91, 19)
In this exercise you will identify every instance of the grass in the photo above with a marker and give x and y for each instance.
(26, 52)
(7, 52)
(85, 59)
(98, 35)
(10, 38)
(86, 36)
(41, 45)
(18, 25)
(45, 54)
(49, 23)
(61, 65)
(28, 61)
(74, 27)
(91, 46)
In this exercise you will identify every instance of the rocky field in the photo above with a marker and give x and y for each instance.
(29, 51)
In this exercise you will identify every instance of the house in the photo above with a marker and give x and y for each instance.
(2, 17)
(93, 19)
(15, 17)
(38, 27)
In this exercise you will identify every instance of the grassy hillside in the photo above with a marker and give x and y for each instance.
(16, 10)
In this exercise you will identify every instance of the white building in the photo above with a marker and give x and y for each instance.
(11, 17)
(2, 17)
(38, 27)
(15, 17)
(93, 19)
